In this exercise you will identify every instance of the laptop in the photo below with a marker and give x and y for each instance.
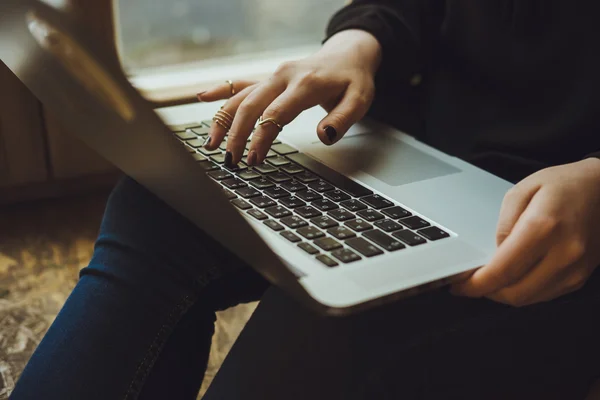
(376, 217)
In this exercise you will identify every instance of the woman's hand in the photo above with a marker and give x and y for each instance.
(339, 77)
(548, 237)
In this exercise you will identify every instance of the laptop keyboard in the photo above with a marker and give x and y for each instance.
(329, 216)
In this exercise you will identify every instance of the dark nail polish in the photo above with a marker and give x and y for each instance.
(252, 156)
(228, 159)
(331, 133)
(206, 142)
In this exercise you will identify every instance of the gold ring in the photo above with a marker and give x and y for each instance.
(223, 119)
(224, 114)
(231, 88)
(262, 121)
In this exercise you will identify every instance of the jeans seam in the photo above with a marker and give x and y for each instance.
(155, 347)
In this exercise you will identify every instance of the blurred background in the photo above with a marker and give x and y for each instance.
(157, 33)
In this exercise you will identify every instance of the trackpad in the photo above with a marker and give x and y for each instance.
(384, 157)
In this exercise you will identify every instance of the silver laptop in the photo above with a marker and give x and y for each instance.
(373, 218)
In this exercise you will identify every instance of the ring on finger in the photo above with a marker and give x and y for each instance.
(231, 88)
(223, 119)
(263, 121)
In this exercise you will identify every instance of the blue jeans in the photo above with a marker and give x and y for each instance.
(139, 324)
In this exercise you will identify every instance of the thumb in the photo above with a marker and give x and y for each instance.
(353, 106)
(514, 204)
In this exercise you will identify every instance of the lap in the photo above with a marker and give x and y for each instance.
(431, 346)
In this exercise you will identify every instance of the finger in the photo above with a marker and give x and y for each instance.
(284, 109)
(528, 242)
(217, 130)
(547, 281)
(223, 90)
(248, 113)
(353, 107)
(515, 202)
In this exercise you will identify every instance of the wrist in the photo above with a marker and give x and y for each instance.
(361, 48)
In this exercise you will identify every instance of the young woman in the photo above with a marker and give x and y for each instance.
(509, 85)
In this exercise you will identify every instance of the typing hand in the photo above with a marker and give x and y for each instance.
(548, 238)
(339, 78)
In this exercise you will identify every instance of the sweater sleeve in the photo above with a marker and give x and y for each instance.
(405, 30)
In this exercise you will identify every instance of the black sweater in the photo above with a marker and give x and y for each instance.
(510, 85)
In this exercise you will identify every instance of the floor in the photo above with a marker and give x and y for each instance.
(43, 245)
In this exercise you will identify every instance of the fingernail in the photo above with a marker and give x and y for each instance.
(206, 142)
(331, 133)
(228, 159)
(199, 95)
(252, 158)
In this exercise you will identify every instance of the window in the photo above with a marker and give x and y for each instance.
(158, 33)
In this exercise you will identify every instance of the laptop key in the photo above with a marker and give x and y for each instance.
(396, 212)
(207, 122)
(292, 202)
(409, 237)
(266, 169)
(291, 236)
(262, 202)
(249, 175)
(324, 205)
(414, 222)
(386, 242)
(218, 158)
(186, 135)
(328, 261)
(341, 233)
(200, 130)
(259, 215)
(278, 161)
(345, 255)
(248, 192)
(337, 195)
(209, 166)
(370, 215)
(271, 153)
(241, 166)
(234, 183)
(310, 232)
(277, 192)
(184, 127)
(283, 149)
(353, 205)
(320, 186)
(279, 177)
(197, 143)
(306, 177)
(309, 195)
(342, 182)
(241, 204)
(293, 186)
(364, 247)
(309, 248)
(294, 222)
(278, 212)
(229, 195)
(328, 243)
(199, 157)
(324, 222)
(433, 233)
(207, 152)
(307, 212)
(377, 202)
(262, 183)
(388, 225)
(276, 226)
(220, 175)
(292, 169)
(359, 225)
(341, 214)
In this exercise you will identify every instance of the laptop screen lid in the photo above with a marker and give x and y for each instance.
(84, 86)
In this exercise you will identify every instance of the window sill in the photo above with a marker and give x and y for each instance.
(179, 84)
